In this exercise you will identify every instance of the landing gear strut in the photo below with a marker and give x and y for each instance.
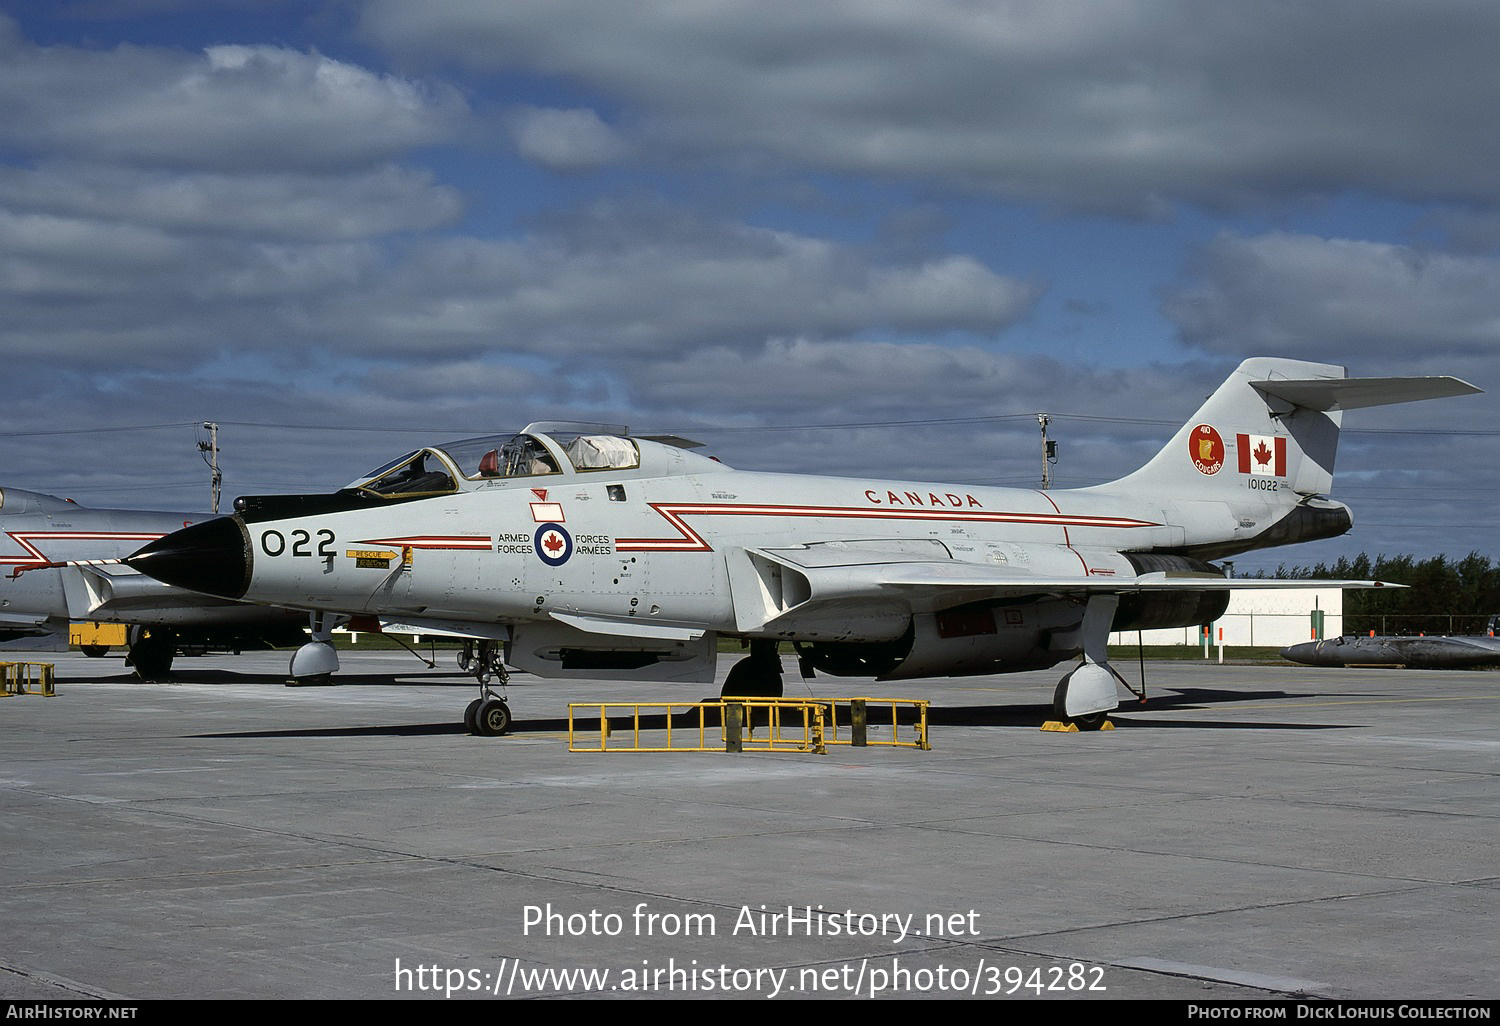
(316, 661)
(1087, 694)
(489, 714)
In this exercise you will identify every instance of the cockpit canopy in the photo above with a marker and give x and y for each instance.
(471, 462)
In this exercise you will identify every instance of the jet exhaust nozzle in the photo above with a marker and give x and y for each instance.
(212, 558)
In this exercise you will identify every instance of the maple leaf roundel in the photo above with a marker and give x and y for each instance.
(553, 544)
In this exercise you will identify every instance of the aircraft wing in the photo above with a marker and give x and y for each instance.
(589, 623)
(24, 627)
(772, 587)
(1004, 583)
(443, 627)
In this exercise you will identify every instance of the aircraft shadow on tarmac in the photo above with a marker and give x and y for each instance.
(1029, 716)
(1132, 714)
(415, 678)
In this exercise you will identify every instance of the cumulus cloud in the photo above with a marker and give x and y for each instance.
(160, 207)
(564, 140)
(228, 108)
(280, 206)
(835, 379)
(1101, 105)
(616, 282)
(916, 411)
(1293, 294)
(610, 284)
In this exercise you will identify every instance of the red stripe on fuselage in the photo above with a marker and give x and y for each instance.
(427, 541)
(690, 540)
(36, 555)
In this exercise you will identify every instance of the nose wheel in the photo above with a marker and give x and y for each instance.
(489, 714)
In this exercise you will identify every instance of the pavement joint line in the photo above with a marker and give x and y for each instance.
(60, 982)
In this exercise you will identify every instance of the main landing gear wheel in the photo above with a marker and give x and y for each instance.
(491, 718)
(1084, 721)
(758, 675)
(151, 652)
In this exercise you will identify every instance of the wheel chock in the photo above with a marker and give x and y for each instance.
(1064, 727)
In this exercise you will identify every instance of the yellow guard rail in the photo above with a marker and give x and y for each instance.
(743, 724)
(19, 677)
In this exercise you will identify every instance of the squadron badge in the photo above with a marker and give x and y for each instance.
(1206, 449)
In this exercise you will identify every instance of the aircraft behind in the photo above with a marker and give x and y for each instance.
(582, 551)
(39, 531)
(1429, 652)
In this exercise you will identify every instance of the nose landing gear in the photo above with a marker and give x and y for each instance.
(489, 714)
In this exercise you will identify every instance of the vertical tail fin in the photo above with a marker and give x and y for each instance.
(1274, 424)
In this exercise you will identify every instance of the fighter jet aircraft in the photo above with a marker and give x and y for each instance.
(575, 551)
(41, 531)
(1434, 652)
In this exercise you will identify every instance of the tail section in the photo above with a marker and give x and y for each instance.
(1251, 469)
(1273, 426)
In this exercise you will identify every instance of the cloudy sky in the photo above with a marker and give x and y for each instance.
(841, 236)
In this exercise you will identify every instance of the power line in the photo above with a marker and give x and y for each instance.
(735, 429)
(98, 430)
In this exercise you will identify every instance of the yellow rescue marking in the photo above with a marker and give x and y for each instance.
(371, 559)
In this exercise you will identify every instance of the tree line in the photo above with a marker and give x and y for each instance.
(1442, 595)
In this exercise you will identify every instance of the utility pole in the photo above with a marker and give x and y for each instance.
(210, 451)
(1049, 451)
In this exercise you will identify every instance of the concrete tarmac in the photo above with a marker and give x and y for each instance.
(1252, 832)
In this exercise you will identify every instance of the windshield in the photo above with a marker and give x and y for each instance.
(417, 473)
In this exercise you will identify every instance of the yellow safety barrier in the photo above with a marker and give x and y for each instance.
(696, 726)
(861, 722)
(731, 725)
(19, 678)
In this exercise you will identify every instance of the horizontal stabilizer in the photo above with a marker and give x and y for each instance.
(1329, 394)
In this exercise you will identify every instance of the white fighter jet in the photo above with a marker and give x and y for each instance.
(40, 532)
(581, 551)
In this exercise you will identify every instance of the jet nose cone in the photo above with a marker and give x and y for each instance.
(212, 557)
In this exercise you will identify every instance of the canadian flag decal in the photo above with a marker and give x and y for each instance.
(1262, 454)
